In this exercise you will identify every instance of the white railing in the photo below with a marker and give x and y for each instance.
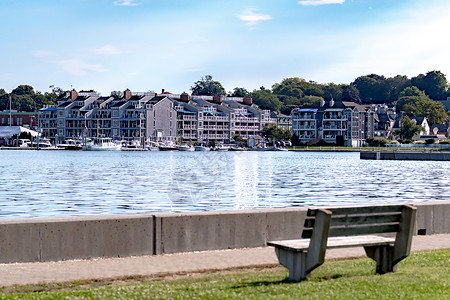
(215, 118)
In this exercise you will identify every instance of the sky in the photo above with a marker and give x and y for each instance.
(143, 45)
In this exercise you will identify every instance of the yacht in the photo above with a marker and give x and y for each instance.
(102, 144)
(185, 148)
(201, 148)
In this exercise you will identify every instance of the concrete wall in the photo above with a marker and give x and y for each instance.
(52, 239)
(48, 239)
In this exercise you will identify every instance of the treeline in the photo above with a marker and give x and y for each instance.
(369, 89)
(416, 96)
(24, 98)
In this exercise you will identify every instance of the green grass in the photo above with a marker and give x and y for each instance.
(420, 276)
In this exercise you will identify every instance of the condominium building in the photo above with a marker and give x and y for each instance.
(337, 122)
(148, 116)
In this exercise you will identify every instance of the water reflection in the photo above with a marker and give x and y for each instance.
(60, 183)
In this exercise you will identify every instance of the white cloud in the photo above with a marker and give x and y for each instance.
(108, 49)
(78, 67)
(251, 18)
(412, 43)
(320, 2)
(125, 3)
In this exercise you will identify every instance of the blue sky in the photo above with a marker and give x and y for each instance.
(145, 45)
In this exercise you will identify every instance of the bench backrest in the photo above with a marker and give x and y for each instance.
(349, 221)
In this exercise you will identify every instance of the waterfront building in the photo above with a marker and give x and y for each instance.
(19, 118)
(337, 122)
(131, 116)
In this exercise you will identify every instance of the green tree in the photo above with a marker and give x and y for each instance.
(415, 103)
(239, 92)
(4, 100)
(266, 100)
(372, 88)
(350, 93)
(408, 129)
(434, 84)
(207, 86)
(23, 90)
(275, 133)
(332, 91)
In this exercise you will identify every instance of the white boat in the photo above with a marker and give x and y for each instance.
(44, 143)
(71, 145)
(236, 148)
(152, 146)
(201, 148)
(185, 148)
(102, 144)
(221, 147)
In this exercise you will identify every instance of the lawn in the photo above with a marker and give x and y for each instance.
(423, 275)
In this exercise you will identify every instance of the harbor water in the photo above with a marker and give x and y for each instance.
(66, 183)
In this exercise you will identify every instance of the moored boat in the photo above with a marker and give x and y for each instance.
(102, 144)
(185, 148)
(201, 148)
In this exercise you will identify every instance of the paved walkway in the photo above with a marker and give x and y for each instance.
(158, 265)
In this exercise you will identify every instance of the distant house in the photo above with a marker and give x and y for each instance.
(422, 121)
(442, 131)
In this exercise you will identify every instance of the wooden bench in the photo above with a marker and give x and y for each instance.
(349, 227)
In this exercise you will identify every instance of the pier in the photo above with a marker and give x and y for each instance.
(406, 155)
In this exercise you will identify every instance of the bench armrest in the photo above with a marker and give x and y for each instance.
(318, 242)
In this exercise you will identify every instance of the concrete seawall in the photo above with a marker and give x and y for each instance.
(53, 239)
(405, 155)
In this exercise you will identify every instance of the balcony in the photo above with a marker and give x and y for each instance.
(215, 127)
(215, 118)
(246, 128)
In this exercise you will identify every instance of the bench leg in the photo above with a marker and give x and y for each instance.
(383, 256)
(295, 262)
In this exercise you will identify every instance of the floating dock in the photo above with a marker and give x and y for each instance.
(405, 155)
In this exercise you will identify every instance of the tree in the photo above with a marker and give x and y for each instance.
(415, 103)
(266, 100)
(207, 86)
(372, 88)
(239, 92)
(434, 84)
(332, 91)
(408, 129)
(275, 133)
(23, 90)
(4, 100)
(350, 93)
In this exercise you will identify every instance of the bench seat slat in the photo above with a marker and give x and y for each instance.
(301, 245)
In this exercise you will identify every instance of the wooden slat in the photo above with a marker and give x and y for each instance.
(367, 219)
(360, 210)
(334, 242)
(362, 230)
(365, 210)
